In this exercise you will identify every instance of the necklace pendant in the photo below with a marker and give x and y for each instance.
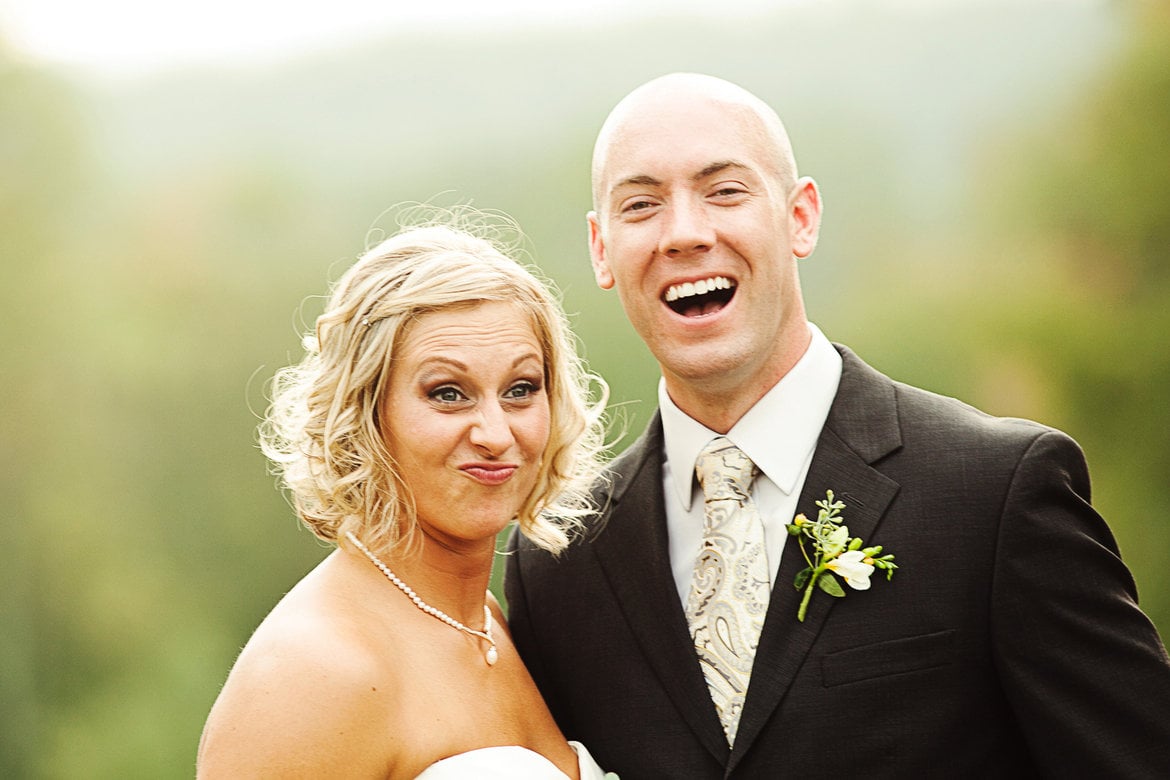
(491, 656)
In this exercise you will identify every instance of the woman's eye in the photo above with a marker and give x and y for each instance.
(446, 395)
(521, 390)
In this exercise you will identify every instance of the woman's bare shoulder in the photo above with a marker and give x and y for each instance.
(308, 696)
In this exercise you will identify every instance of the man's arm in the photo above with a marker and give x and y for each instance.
(1082, 666)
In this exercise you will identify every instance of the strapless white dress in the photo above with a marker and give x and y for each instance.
(510, 762)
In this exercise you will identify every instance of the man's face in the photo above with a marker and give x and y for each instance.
(700, 238)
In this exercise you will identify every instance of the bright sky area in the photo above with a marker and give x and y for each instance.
(128, 37)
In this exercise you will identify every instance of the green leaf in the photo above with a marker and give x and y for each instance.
(830, 585)
(801, 578)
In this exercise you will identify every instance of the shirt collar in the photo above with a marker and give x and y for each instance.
(779, 433)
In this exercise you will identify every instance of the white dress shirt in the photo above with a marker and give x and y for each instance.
(779, 433)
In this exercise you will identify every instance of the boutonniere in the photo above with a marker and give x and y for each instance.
(833, 553)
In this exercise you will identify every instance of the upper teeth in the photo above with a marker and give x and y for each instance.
(701, 287)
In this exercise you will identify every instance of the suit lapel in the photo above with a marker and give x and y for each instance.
(862, 427)
(634, 555)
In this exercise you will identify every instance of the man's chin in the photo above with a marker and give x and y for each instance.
(705, 365)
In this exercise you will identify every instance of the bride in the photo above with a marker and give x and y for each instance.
(440, 399)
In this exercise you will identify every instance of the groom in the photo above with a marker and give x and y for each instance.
(1008, 642)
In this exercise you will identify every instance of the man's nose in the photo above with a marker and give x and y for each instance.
(687, 229)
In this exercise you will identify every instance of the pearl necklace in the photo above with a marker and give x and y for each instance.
(491, 656)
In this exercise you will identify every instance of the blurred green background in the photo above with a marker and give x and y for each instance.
(997, 227)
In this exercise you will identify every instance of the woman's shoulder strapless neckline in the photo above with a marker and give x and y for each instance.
(509, 762)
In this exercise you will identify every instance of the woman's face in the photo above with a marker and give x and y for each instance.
(466, 417)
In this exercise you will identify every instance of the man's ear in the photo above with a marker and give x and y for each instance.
(805, 217)
(601, 270)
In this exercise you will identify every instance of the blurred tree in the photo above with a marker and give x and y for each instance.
(1085, 243)
(41, 159)
(177, 544)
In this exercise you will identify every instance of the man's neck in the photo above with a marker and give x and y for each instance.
(719, 403)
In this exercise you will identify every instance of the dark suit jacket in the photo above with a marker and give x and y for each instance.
(1008, 644)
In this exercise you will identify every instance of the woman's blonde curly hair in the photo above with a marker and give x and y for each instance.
(322, 431)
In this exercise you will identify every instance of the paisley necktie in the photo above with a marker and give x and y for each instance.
(730, 587)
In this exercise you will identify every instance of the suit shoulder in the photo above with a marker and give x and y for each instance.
(872, 410)
(923, 411)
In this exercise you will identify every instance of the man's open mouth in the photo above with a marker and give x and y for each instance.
(694, 299)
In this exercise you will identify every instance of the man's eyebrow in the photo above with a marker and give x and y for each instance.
(646, 180)
(717, 167)
(641, 180)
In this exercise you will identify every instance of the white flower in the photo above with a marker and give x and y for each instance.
(852, 566)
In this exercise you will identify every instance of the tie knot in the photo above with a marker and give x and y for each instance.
(724, 471)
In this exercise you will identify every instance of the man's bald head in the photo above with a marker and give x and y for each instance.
(674, 96)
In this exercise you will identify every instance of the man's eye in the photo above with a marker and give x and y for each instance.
(638, 205)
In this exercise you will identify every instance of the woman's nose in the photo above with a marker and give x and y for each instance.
(491, 433)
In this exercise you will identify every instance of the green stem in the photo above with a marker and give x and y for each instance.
(812, 581)
(803, 552)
